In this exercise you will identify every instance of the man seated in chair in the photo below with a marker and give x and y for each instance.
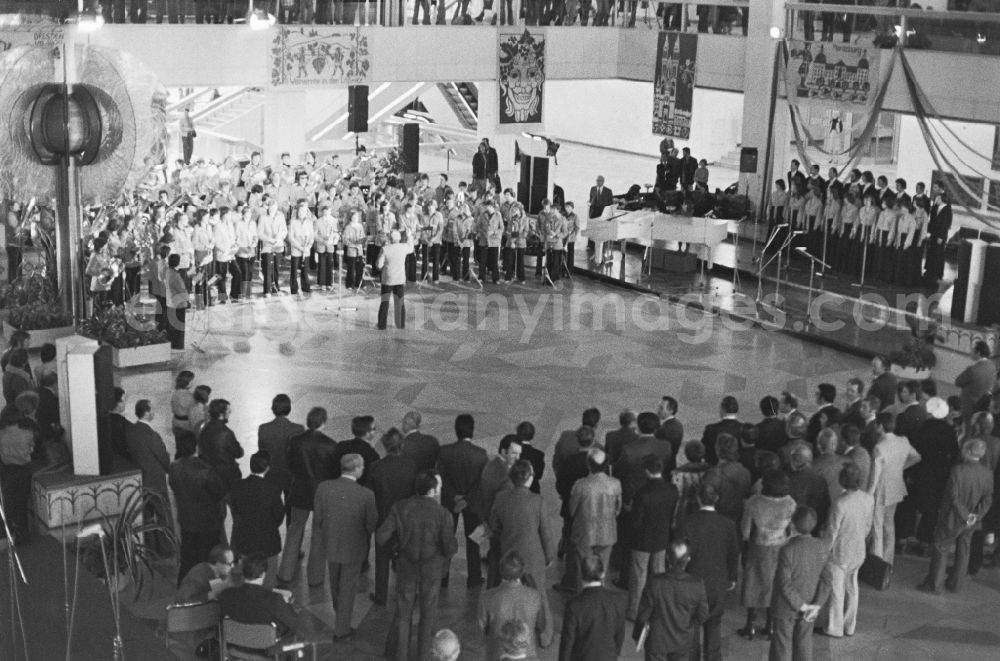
(197, 583)
(251, 603)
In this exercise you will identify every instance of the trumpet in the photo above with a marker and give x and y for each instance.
(110, 272)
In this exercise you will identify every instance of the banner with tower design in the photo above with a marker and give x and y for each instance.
(521, 79)
(834, 76)
(673, 85)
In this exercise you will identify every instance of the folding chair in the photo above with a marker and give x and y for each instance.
(189, 618)
(250, 642)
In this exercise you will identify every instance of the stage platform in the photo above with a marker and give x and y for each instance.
(866, 321)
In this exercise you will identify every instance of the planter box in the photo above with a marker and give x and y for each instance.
(910, 373)
(40, 337)
(148, 355)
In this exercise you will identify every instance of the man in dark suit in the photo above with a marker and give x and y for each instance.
(629, 468)
(425, 535)
(616, 439)
(801, 588)
(771, 435)
(827, 415)
(363, 428)
(520, 524)
(688, 164)
(600, 197)
(977, 379)
(884, 384)
(967, 497)
(714, 546)
(49, 426)
(217, 443)
(729, 424)
(526, 435)
(853, 396)
(148, 452)
(312, 458)
(344, 517)
(199, 491)
(796, 177)
(392, 481)
(673, 605)
(671, 429)
(651, 521)
(911, 414)
(422, 448)
(461, 465)
(251, 603)
(593, 626)
(273, 438)
(808, 487)
(196, 584)
(937, 230)
(571, 470)
(257, 515)
(492, 481)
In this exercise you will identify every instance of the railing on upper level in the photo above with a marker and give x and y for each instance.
(951, 31)
(886, 27)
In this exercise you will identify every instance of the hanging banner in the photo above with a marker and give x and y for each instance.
(521, 78)
(312, 55)
(673, 86)
(832, 75)
(41, 34)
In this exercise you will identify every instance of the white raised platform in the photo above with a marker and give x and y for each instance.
(63, 499)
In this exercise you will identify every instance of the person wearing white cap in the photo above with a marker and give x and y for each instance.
(937, 444)
(967, 498)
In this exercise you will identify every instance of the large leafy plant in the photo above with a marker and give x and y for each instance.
(122, 328)
(125, 540)
(32, 303)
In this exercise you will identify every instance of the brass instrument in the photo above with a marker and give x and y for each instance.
(110, 272)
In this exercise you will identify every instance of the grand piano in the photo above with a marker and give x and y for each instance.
(652, 229)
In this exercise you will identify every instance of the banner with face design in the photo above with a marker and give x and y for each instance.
(521, 78)
(673, 91)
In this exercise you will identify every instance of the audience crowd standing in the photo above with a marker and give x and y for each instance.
(659, 529)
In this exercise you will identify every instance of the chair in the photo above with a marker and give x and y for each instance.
(188, 618)
(250, 642)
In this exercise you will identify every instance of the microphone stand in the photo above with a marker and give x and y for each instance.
(15, 569)
(865, 234)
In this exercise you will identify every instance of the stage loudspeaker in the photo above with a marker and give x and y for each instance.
(411, 148)
(961, 281)
(534, 183)
(357, 108)
(748, 160)
(989, 294)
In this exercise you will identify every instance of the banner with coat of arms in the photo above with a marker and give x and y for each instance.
(314, 55)
(836, 76)
(673, 85)
(521, 78)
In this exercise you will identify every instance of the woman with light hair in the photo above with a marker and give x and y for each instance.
(445, 646)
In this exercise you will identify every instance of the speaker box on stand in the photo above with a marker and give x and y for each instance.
(534, 183)
(357, 108)
(411, 148)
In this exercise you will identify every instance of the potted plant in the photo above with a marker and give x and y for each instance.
(32, 304)
(132, 336)
(916, 359)
(117, 548)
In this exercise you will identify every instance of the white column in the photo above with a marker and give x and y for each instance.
(502, 142)
(758, 90)
(78, 400)
(284, 128)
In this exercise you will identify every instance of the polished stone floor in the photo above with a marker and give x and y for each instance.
(530, 353)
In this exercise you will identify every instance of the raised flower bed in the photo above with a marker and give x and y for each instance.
(133, 337)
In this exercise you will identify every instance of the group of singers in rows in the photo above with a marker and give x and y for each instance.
(218, 235)
(862, 227)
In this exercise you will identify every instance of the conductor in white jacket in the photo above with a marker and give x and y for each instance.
(392, 262)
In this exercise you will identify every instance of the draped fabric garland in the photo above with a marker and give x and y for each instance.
(931, 126)
(804, 85)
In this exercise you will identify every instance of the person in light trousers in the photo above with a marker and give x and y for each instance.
(392, 264)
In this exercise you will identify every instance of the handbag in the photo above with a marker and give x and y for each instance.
(876, 572)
